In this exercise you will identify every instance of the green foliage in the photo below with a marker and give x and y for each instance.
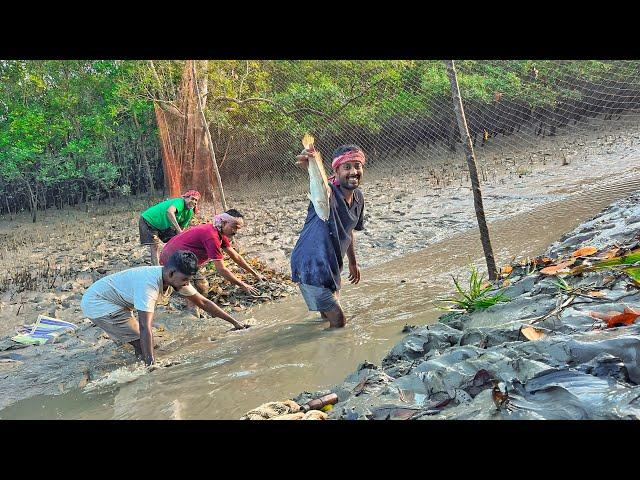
(562, 285)
(476, 297)
(63, 122)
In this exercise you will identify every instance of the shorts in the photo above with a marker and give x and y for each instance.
(147, 232)
(121, 326)
(319, 299)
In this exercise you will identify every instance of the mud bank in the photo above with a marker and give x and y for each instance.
(404, 214)
(553, 351)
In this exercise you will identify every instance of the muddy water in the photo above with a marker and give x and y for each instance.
(291, 351)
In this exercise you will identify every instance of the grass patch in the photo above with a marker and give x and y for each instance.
(476, 297)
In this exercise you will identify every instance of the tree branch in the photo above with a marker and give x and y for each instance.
(271, 102)
(243, 79)
(348, 101)
(303, 109)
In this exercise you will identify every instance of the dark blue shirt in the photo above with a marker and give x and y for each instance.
(317, 257)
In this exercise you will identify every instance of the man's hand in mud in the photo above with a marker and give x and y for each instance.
(250, 290)
(354, 273)
(303, 158)
(240, 326)
(259, 277)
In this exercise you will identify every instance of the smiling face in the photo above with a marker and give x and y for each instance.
(191, 202)
(349, 175)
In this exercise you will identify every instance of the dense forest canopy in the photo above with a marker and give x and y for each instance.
(72, 131)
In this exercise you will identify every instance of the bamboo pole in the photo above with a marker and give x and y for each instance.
(473, 170)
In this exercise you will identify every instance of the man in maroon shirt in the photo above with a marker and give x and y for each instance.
(207, 242)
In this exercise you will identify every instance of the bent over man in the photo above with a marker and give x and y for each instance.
(165, 220)
(109, 303)
(208, 241)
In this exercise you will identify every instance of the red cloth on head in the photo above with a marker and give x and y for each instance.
(350, 156)
(192, 193)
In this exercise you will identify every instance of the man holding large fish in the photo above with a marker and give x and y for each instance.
(336, 210)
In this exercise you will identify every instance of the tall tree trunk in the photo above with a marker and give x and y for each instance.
(43, 200)
(209, 142)
(33, 201)
(6, 199)
(145, 158)
(86, 196)
(473, 170)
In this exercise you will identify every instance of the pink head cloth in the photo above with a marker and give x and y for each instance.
(224, 217)
(192, 193)
(350, 156)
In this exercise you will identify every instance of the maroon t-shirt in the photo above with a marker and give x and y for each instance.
(203, 240)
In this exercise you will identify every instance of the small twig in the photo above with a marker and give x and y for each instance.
(401, 395)
(608, 299)
(556, 310)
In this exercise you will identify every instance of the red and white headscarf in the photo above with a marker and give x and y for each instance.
(192, 193)
(350, 156)
(225, 217)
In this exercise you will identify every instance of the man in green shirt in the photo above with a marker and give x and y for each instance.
(165, 220)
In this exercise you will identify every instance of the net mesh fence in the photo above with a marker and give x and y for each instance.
(401, 114)
(524, 117)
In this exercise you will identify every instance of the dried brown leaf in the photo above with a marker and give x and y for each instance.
(532, 333)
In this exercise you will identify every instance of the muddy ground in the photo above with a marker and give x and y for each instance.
(45, 267)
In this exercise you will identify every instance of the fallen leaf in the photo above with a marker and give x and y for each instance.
(360, 386)
(555, 269)
(393, 413)
(627, 259)
(533, 333)
(596, 293)
(610, 254)
(615, 319)
(584, 251)
(542, 260)
(506, 282)
(506, 270)
(481, 381)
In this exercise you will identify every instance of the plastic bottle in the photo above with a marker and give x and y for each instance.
(318, 403)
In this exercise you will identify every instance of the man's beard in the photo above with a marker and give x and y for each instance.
(347, 185)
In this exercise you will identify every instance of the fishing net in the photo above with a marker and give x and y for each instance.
(186, 156)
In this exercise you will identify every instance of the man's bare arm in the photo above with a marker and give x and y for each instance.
(214, 310)
(229, 276)
(145, 319)
(236, 257)
(171, 215)
(354, 270)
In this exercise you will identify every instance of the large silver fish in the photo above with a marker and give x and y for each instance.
(319, 189)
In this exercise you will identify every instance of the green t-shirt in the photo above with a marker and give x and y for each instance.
(156, 216)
